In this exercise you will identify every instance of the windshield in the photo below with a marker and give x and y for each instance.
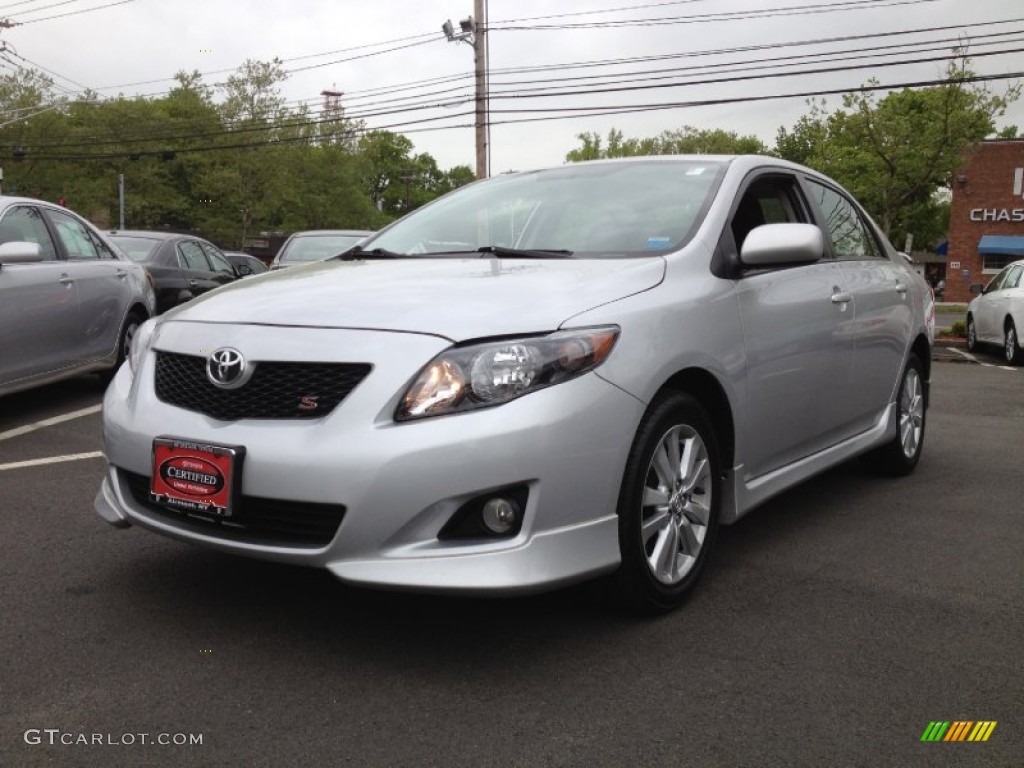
(317, 247)
(589, 210)
(137, 248)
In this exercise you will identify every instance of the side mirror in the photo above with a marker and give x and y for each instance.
(977, 289)
(776, 244)
(20, 252)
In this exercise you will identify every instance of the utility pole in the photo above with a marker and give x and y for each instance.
(120, 199)
(474, 31)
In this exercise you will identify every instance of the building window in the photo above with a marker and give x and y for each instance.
(993, 262)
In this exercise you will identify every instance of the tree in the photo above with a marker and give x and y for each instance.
(898, 154)
(687, 140)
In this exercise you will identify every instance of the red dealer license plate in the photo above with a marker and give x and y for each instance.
(196, 477)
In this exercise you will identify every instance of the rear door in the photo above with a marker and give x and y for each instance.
(199, 275)
(882, 315)
(223, 271)
(104, 291)
(38, 303)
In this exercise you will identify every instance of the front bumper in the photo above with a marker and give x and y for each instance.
(399, 483)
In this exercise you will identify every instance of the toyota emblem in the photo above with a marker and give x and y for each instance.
(226, 368)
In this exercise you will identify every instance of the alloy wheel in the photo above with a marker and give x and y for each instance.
(911, 413)
(677, 503)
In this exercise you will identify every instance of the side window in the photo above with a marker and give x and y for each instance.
(25, 224)
(768, 200)
(220, 264)
(997, 282)
(192, 256)
(1013, 279)
(851, 239)
(74, 236)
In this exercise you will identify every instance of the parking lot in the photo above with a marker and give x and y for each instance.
(833, 626)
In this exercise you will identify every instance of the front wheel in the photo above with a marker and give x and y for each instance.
(1011, 345)
(668, 505)
(900, 455)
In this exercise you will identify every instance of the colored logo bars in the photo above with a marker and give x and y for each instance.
(958, 730)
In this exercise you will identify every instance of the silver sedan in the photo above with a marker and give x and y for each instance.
(69, 302)
(537, 379)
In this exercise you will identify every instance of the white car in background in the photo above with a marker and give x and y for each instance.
(997, 315)
(70, 303)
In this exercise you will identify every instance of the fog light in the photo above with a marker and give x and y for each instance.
(500, 515)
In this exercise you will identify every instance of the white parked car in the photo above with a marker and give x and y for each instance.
(536, 379)
(996, 316)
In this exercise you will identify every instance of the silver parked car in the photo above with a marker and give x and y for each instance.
(996, 316)
(69, 302)
(316, 245)
(535, 380)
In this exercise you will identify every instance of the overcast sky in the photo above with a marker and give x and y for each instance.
(130, 43)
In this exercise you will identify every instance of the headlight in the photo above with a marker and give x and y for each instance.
(140, 343)
(492, 373)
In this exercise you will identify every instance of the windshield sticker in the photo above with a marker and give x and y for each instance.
(658, 243)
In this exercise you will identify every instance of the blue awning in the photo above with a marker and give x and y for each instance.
(1005, 245)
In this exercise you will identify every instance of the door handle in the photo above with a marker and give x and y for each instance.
(122, 274)
(193, 283)
(841, 297)
(66, 281)
(901, 288)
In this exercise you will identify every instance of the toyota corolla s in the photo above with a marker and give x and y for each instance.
(535, 380)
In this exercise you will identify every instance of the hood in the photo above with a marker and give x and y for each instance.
(455, 298)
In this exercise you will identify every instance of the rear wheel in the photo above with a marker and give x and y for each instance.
(124, 343)
(668, 505)
(1011, 345)
(900, 455)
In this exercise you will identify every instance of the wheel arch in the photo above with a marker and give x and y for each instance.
(708, 391)
(923, 349)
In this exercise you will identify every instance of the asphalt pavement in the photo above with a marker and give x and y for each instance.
(835, 623)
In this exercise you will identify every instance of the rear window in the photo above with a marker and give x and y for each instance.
(137, 248)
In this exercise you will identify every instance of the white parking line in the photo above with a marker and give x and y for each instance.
(973, 359)
(49, 422)
(51, 460)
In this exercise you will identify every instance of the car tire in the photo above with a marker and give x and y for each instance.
(972, 335)
(900, 455)
(124, 343)
(668, 505)
(1011, 345)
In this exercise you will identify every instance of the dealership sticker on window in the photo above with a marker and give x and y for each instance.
(195, 477)
(658, 243)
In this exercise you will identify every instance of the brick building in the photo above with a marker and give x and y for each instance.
(986, 222)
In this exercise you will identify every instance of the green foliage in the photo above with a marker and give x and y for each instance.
(897, 154)
(683, 141)
(227, 169)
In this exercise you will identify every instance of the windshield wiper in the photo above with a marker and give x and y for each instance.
(523, 253)
(357, 253)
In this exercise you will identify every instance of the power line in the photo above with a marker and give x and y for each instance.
(74, 13)
(46, 7)
(594, 112)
